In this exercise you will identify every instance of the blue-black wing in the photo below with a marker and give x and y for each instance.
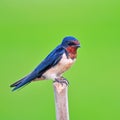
(51, 60)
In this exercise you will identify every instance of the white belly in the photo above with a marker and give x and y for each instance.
(56, 71)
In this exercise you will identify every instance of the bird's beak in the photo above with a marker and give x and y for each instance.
(77, 44)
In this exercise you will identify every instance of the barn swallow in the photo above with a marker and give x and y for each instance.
(54, 65)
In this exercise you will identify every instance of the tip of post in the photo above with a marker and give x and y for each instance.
(59, 87)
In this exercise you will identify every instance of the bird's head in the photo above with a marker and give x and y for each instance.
(70, 41)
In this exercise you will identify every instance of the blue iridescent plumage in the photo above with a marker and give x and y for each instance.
(50, 61)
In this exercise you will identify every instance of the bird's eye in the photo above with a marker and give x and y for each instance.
(71, 43)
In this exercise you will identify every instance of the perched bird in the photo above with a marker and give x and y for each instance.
(54, 65)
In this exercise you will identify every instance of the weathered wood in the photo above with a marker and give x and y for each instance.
(61, 101)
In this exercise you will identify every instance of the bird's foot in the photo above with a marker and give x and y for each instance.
(62, 80)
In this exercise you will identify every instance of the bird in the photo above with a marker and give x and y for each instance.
(54, 65)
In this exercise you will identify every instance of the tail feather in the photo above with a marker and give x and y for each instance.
(17, 83)
(24, 81)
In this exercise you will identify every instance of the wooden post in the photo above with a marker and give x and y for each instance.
(61, 101)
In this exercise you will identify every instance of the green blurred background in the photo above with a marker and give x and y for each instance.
(30, 29)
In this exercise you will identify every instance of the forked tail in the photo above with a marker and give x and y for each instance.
(24, 81)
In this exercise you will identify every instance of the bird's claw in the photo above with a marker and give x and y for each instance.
(61, 81)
